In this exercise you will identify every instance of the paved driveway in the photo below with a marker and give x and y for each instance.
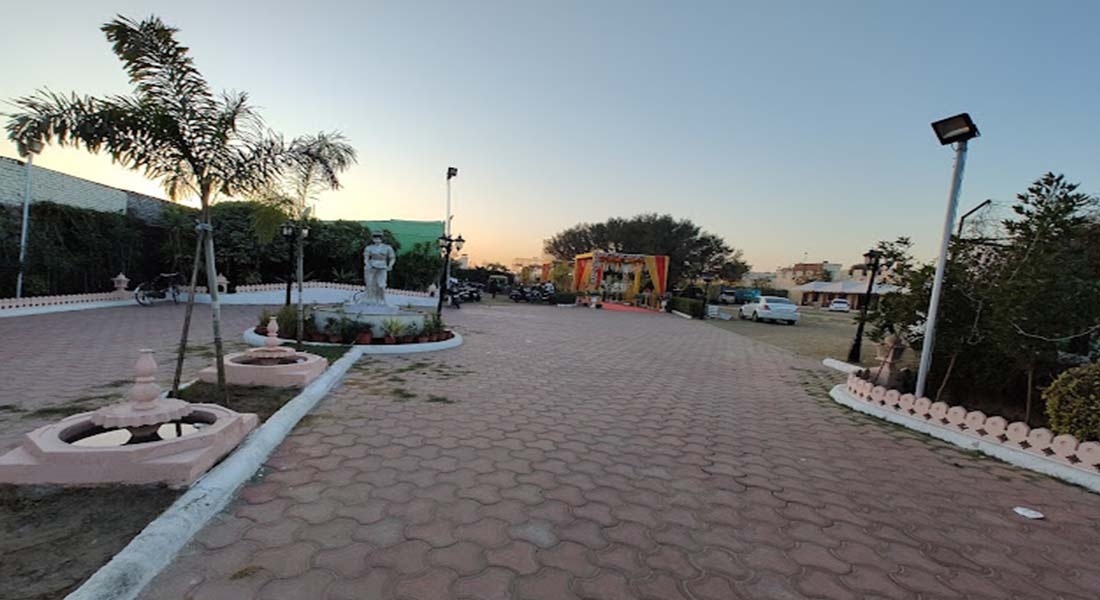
(570, 453)
(62, 363)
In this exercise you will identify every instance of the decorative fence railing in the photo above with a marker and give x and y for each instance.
(1040, 441)
(275, 287)
(38, 301)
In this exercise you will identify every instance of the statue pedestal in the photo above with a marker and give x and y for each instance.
(374, 314)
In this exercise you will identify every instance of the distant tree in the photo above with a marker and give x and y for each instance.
(418, 268)
(691, 251)
(495, 266)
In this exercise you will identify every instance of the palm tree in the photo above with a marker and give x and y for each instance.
(314, 163)
(172, 128)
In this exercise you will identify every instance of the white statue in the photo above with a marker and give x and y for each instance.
(378, 259)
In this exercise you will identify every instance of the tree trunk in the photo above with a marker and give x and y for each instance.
(216, 314)
(187, 314)
(1030, 387)
(301, 275)
(947, 375)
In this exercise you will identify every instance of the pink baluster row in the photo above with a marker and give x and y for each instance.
(1041, 441)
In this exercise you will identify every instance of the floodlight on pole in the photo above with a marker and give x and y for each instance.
(957, 130)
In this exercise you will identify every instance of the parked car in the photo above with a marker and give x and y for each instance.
(732, 295)
(839, 305)
(770, 308)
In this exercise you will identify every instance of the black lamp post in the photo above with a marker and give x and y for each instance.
(870, 259)
(446, 245)
(707, 278)
(288, 235)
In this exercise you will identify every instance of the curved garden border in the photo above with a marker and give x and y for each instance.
(1037, 449)
(254, 339)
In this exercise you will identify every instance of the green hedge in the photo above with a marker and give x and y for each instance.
(687, 306)
(1073, 403)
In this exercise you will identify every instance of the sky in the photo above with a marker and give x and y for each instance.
(795, 129)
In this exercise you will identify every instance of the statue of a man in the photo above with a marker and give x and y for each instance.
(378, 259)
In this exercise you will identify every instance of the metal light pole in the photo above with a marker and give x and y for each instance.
(33, 147)
(452, 172)
(966, 214)
(288, 235)
(871, 259)
(707, 278)
(959, 130)
(446, 243)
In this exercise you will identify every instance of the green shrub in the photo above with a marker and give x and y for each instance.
(265, 317)
(287, 317)
(688, 306)
(564, 298)
(1073, 402)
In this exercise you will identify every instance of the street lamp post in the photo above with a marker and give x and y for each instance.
(452, 172)
(870, 259)
(707, 278)
(288, 235)
(300, 235)
(446, 244)
(958, 130)
(33, 147)
(966, 214)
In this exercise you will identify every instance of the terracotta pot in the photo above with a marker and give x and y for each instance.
(335, 339)
(407, 339)
(422, 339)
(390, 339)
(316, 337)
(364, 338)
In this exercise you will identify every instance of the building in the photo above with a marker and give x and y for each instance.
(788, 278)
(758, 279)
(409, 233)
(48, 185)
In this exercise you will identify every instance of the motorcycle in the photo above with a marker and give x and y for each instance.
(165, 285)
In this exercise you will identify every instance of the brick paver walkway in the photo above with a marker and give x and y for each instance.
(85, 359)
(583, 454)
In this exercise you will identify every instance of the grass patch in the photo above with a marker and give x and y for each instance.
(10, 408)
(413, 366)
(332, 353)
(262, 400)
(117, 383)
(401, 394)
(440, 400)
(53, 538)
(60, 410)
(245, 572)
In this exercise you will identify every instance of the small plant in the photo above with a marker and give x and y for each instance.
(334, 330)
(392, 328)
(1073, 402)
(287, 318)
(265, 316)
(350, 329)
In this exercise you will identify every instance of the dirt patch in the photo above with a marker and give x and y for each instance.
(53, 538)
(263, 401)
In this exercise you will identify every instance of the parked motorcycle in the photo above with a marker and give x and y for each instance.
(165, 285)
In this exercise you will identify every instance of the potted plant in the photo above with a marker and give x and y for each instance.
(349, 330)
(333, 333)
(434, 326)
(391, 327)
(424, 334)
(364, 336)
(407, 335)
(265, 317)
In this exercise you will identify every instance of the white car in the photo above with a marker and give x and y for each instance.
(839, 305)
(770, 308)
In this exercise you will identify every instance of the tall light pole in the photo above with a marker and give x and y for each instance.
(707, 278)
(33, 147)
(958, 130)
(870, 260)
(452, 172)
(446, 243)
(966, 214)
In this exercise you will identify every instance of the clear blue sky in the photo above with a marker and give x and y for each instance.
(786, 127)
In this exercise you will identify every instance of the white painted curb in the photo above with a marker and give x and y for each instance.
(1020, 458)
(127, 574)
(254, 339)
(843, 367)
(680, 314)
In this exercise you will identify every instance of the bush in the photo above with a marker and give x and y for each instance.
(564, 298)
(688, 306)
(1073, 402)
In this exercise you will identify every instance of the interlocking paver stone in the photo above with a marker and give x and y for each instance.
(611, 455)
